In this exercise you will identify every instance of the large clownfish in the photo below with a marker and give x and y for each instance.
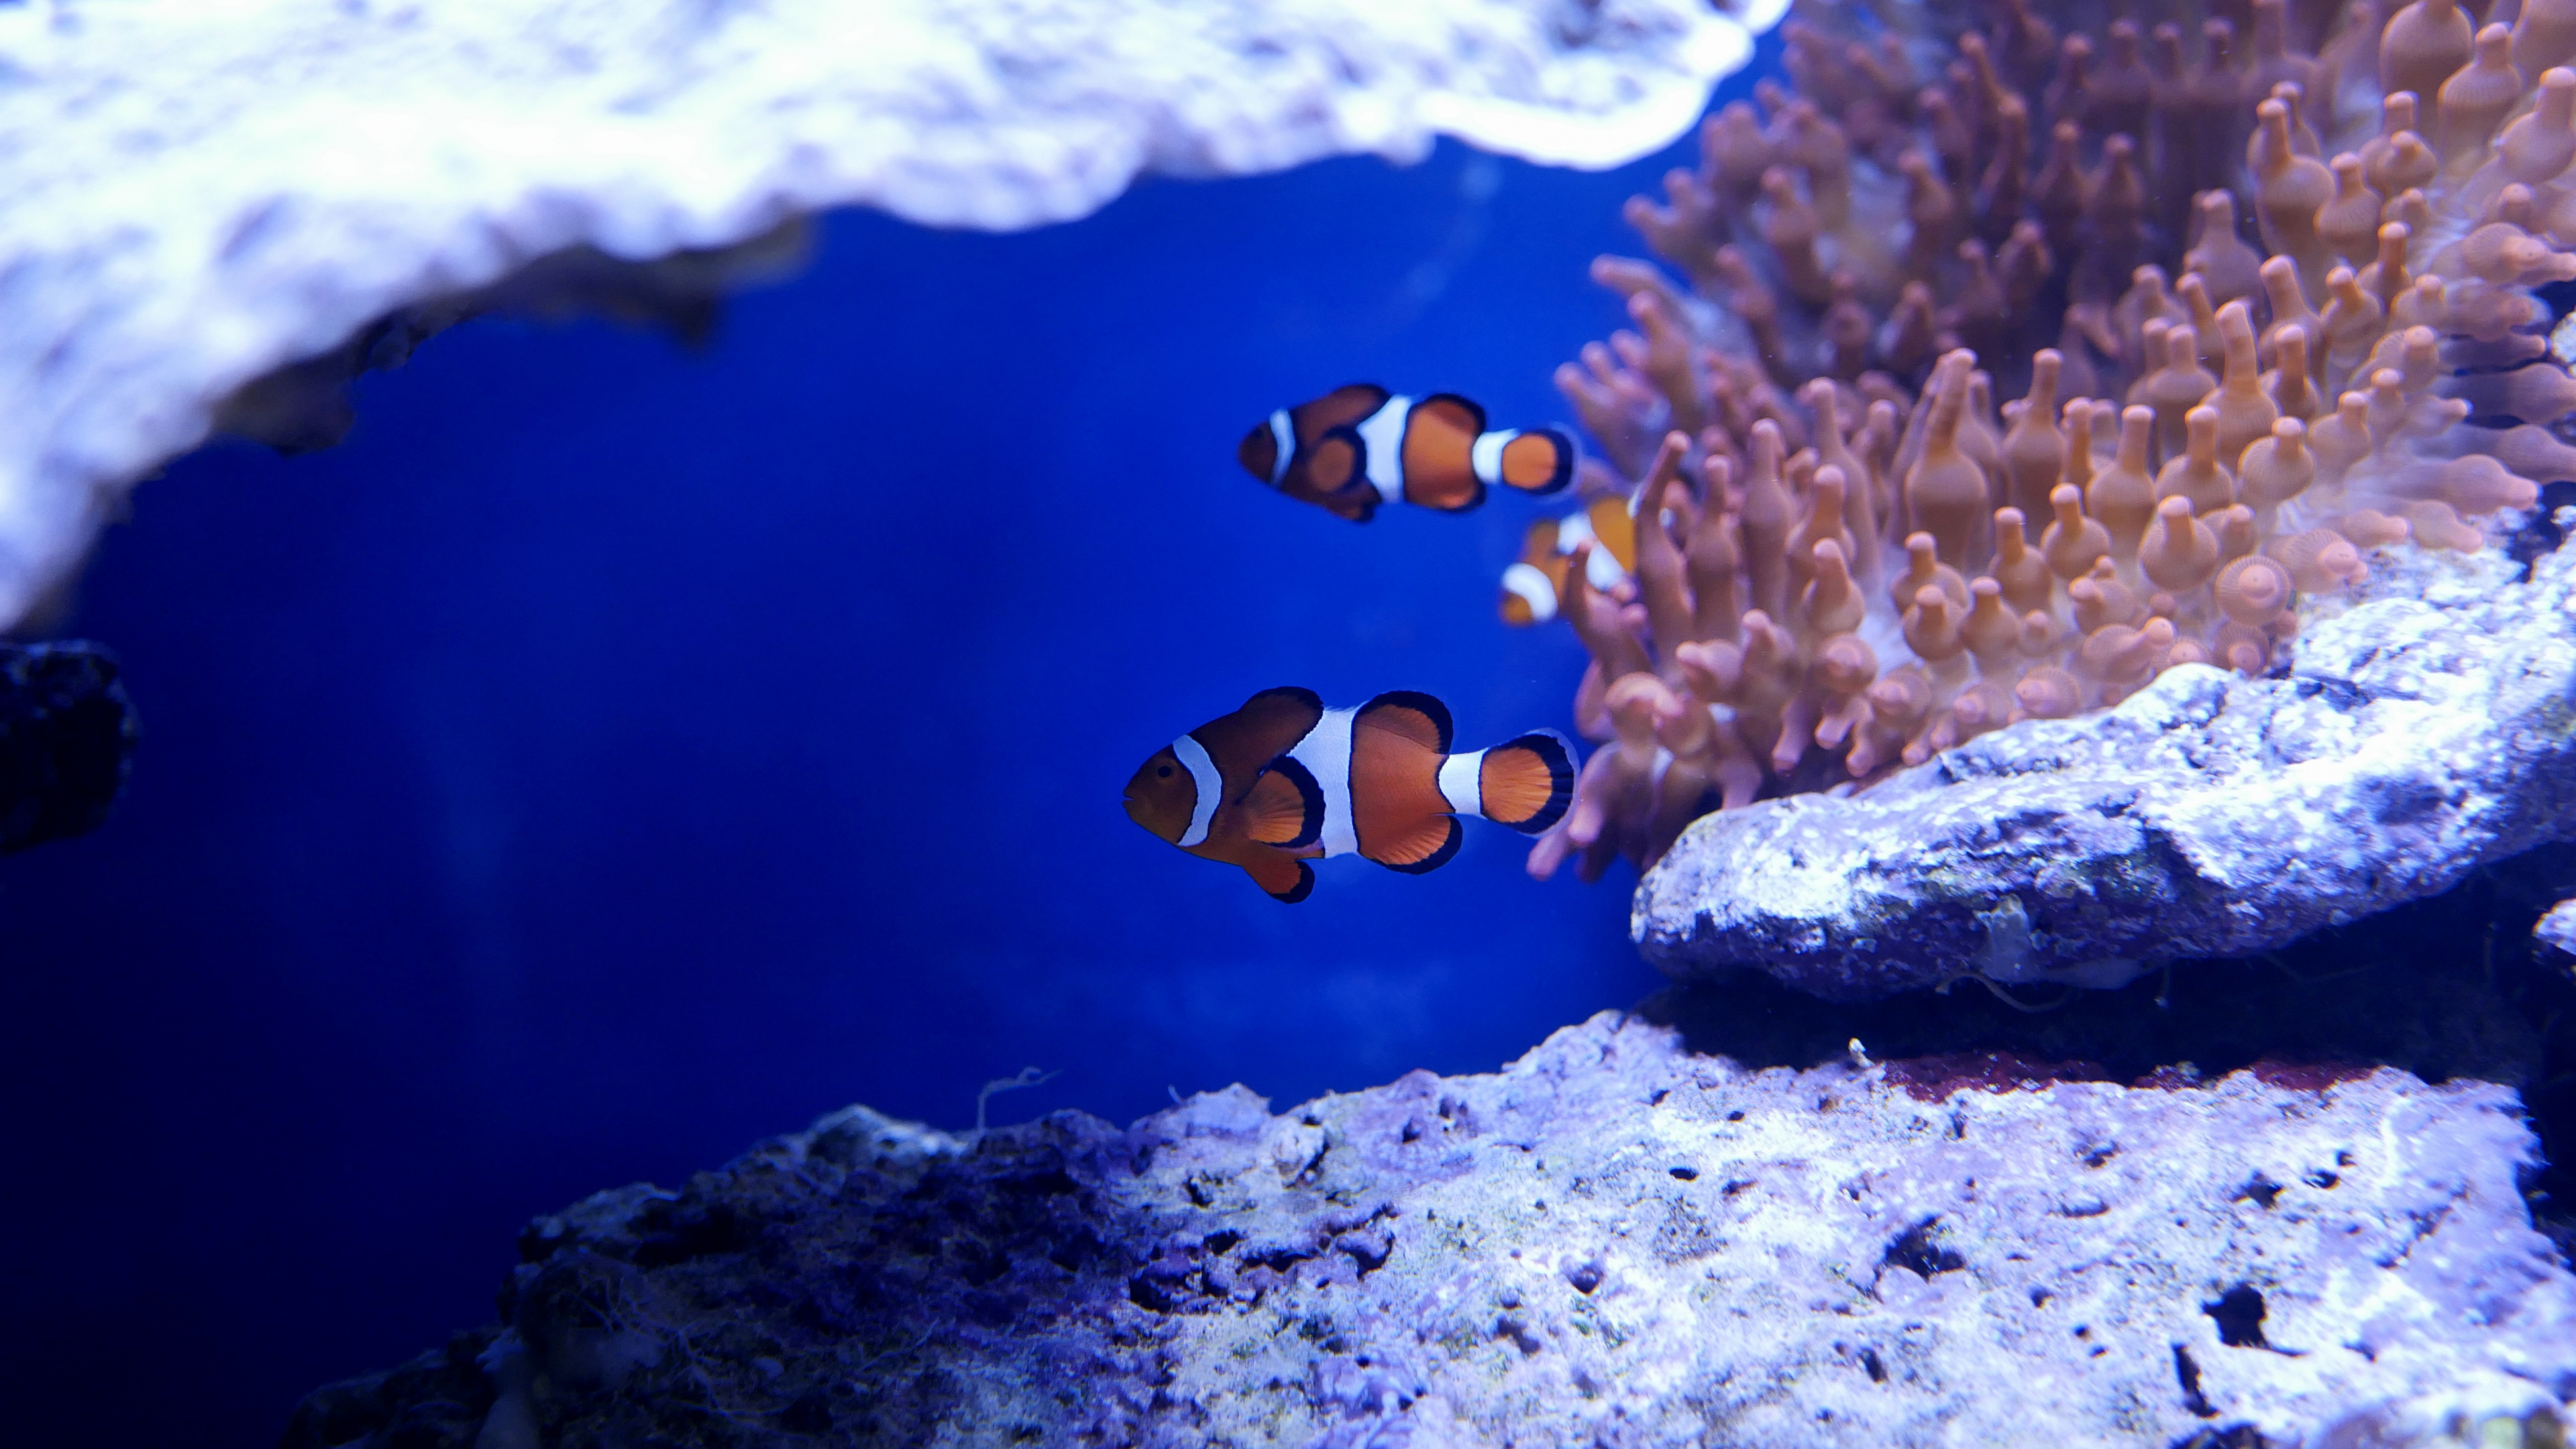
(1359, 446)
(1284, 780)
(1534, 587)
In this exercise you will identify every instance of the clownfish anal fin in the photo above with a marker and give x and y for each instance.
(1439, 453)
(1540, 460)
(1286, 881)
(1285, 807)
(1421, 850)
(1410, 713)
(1527, 783)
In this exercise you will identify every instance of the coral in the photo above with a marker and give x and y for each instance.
(2257, 303)
(1611, 1241)
(66, 738)
(188, 212)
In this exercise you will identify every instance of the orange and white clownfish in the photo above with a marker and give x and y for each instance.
(1359, 446)
(1534, 587)
(1284, 780)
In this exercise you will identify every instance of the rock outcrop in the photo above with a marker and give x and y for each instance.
(2426, 729)
(1610, 1242)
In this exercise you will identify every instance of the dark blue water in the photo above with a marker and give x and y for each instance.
(614, 755)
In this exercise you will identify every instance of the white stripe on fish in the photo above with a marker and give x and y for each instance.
(1462, 782)
(1211, 785)
(1326, 754)
(1382, 438)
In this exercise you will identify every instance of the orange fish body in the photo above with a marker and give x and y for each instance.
(1359, 446)
(1284, 781)
(1534, 587)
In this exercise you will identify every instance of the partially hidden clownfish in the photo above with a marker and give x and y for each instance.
(1534, 587)
(1359, 446)
(1284, 780)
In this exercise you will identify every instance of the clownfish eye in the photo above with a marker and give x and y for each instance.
(1163, 772)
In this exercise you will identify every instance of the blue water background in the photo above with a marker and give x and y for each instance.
(611, 756)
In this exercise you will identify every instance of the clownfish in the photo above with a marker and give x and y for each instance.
(1359, 446)
(1533, 587)
(1284, 780)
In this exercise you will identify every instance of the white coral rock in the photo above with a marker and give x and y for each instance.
(200, 191)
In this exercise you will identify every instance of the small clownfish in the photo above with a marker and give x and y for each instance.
(1359, 446)
(1533, 587)
(1284, 780)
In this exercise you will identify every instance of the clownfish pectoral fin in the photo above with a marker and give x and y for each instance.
(1410, 713)
(1285, 807)
(1287, 881)
(1421, 850)
(1439, 453)
(1526, 783)
(1334, 476)
(1540, 460)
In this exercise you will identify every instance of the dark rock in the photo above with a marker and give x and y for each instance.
(66, 736)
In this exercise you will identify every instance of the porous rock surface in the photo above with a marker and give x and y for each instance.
(2426, 729)
(202, 194)
(1611, 1242)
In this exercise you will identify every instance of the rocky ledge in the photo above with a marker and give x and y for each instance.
(2425, 730)
(183, 218)
(1613, 1241)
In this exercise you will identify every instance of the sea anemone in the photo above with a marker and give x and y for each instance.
(2258, 298)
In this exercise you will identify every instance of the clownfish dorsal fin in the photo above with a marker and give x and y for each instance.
(1339, 408)
(1440, 434)
(1411, 714)
(1285, 807)
(1421, 850)
(1269, 725)
(1525, 783)
(1288, 881)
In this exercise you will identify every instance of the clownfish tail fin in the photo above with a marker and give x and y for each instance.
(1525, 783)
(1540, 460)
(1284, 807)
